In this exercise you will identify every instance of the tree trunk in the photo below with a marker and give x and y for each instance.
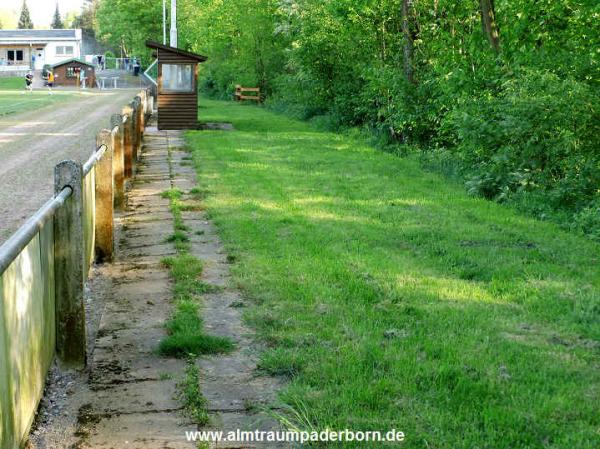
(408, 39)
(488, 22)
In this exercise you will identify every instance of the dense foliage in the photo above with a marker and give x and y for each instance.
(504, 91)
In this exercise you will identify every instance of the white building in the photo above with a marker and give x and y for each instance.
(21, 50)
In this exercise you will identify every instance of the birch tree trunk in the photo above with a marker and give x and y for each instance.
(408, 39)
(488, 22)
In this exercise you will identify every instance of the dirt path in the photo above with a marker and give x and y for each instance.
(32, 143)
(128, 398)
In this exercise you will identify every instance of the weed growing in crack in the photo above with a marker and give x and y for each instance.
(189, 394)
(186, 337)
(174, 196)
(180, 239)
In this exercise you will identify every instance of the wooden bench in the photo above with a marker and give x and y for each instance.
(240, 93)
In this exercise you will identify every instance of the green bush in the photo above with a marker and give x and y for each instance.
(588, 219)
(539, 133)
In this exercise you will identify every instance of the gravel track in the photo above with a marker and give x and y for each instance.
(32, 143)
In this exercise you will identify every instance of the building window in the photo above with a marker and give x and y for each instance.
(14, 56)
(64, 50)
(177, 78)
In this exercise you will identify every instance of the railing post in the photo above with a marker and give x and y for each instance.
(105, 199)
(128, 141)
(150, 102)
(116, 122)
(144, 101)
(135, 127)
(70, 269)
(141, 120)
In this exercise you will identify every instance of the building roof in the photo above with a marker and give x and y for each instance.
(27, 36)
(58, 64)
(178, 51)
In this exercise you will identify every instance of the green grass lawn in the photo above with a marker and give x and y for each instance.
(13, 100)
(390, 298)
(12, 83)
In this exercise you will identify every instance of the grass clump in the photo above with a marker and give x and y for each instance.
(180, 239)
(172, 194)
(281, 362)
(186, 337)
(198, 194)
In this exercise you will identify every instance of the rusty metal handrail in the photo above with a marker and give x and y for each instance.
(94, 158)
(11, 249)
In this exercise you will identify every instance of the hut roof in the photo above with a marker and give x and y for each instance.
(67, 61)
(178, 51)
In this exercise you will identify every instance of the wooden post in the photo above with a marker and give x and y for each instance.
(70, 267)
(135, 125)
(144, 101)
(128, 141)
(150, 99)
(139, 121)
(116, 124)
(104, 199)
(142, 116)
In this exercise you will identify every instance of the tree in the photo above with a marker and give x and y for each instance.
(86, 20)
(57, 22)
(488, 22)
(408, 39)
(127, 24)
(25, 22)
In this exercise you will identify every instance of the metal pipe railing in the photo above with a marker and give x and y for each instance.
(94, 158)
(11, 249)
(80, 231)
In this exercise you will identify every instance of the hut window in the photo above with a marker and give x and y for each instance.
(72, 72)
(177, 77)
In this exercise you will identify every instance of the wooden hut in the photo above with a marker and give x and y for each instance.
(177, 89)
(71, 71)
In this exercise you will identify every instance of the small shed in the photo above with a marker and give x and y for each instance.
(177, 89)
(71, 71)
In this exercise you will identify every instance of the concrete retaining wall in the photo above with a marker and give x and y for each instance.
(42, 285)
(27, 334)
